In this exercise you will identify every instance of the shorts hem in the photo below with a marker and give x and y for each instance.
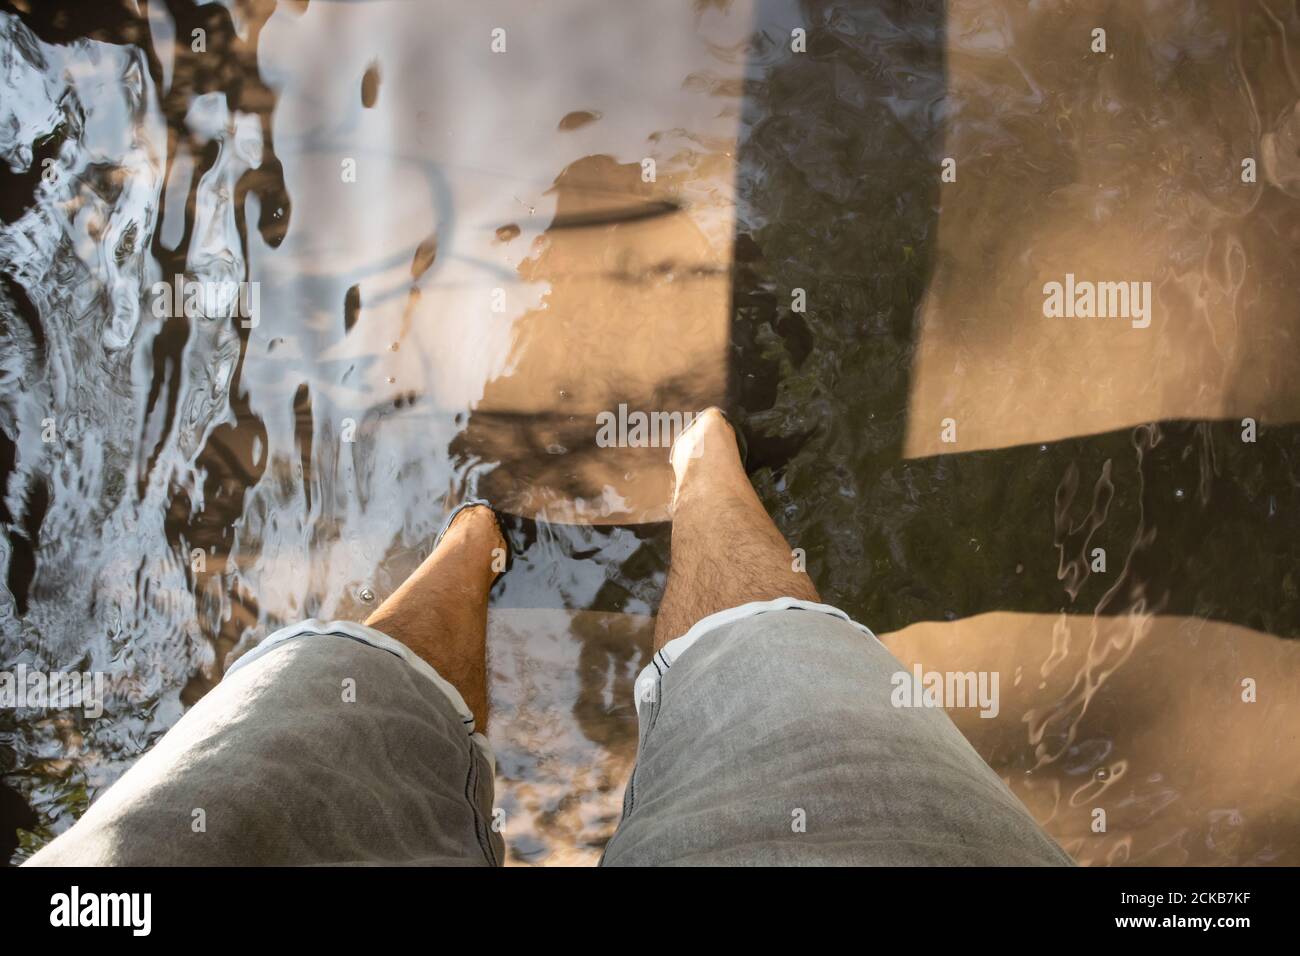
(380, 641)
(671, 652)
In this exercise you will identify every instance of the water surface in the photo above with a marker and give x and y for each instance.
(460, 263)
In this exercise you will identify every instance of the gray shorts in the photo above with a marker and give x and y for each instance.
(769, 735)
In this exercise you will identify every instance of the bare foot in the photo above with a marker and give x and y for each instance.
(706, 455)
(476, 529)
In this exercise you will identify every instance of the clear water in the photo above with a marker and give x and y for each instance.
(459, 263)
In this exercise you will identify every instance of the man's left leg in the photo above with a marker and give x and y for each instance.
(328, 743)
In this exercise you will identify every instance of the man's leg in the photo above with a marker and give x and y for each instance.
(725, 549)
(772, 737)
(328, 743)
(440, 611)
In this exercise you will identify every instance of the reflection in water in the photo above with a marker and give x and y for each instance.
(477, 261)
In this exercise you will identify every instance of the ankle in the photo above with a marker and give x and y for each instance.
(714, 479)
(476, 527)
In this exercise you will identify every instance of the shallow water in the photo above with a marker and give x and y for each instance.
(459, 264)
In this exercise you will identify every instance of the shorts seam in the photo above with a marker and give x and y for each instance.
(655, 706)
(471, 796)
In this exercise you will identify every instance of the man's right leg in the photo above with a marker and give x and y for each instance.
(725, 549)
(768, 732)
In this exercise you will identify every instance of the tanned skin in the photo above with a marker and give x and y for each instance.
(725, 552)
(725, 549)
(440, 611)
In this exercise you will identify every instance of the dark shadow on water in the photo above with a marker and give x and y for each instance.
(15, 815)
(840, 173)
